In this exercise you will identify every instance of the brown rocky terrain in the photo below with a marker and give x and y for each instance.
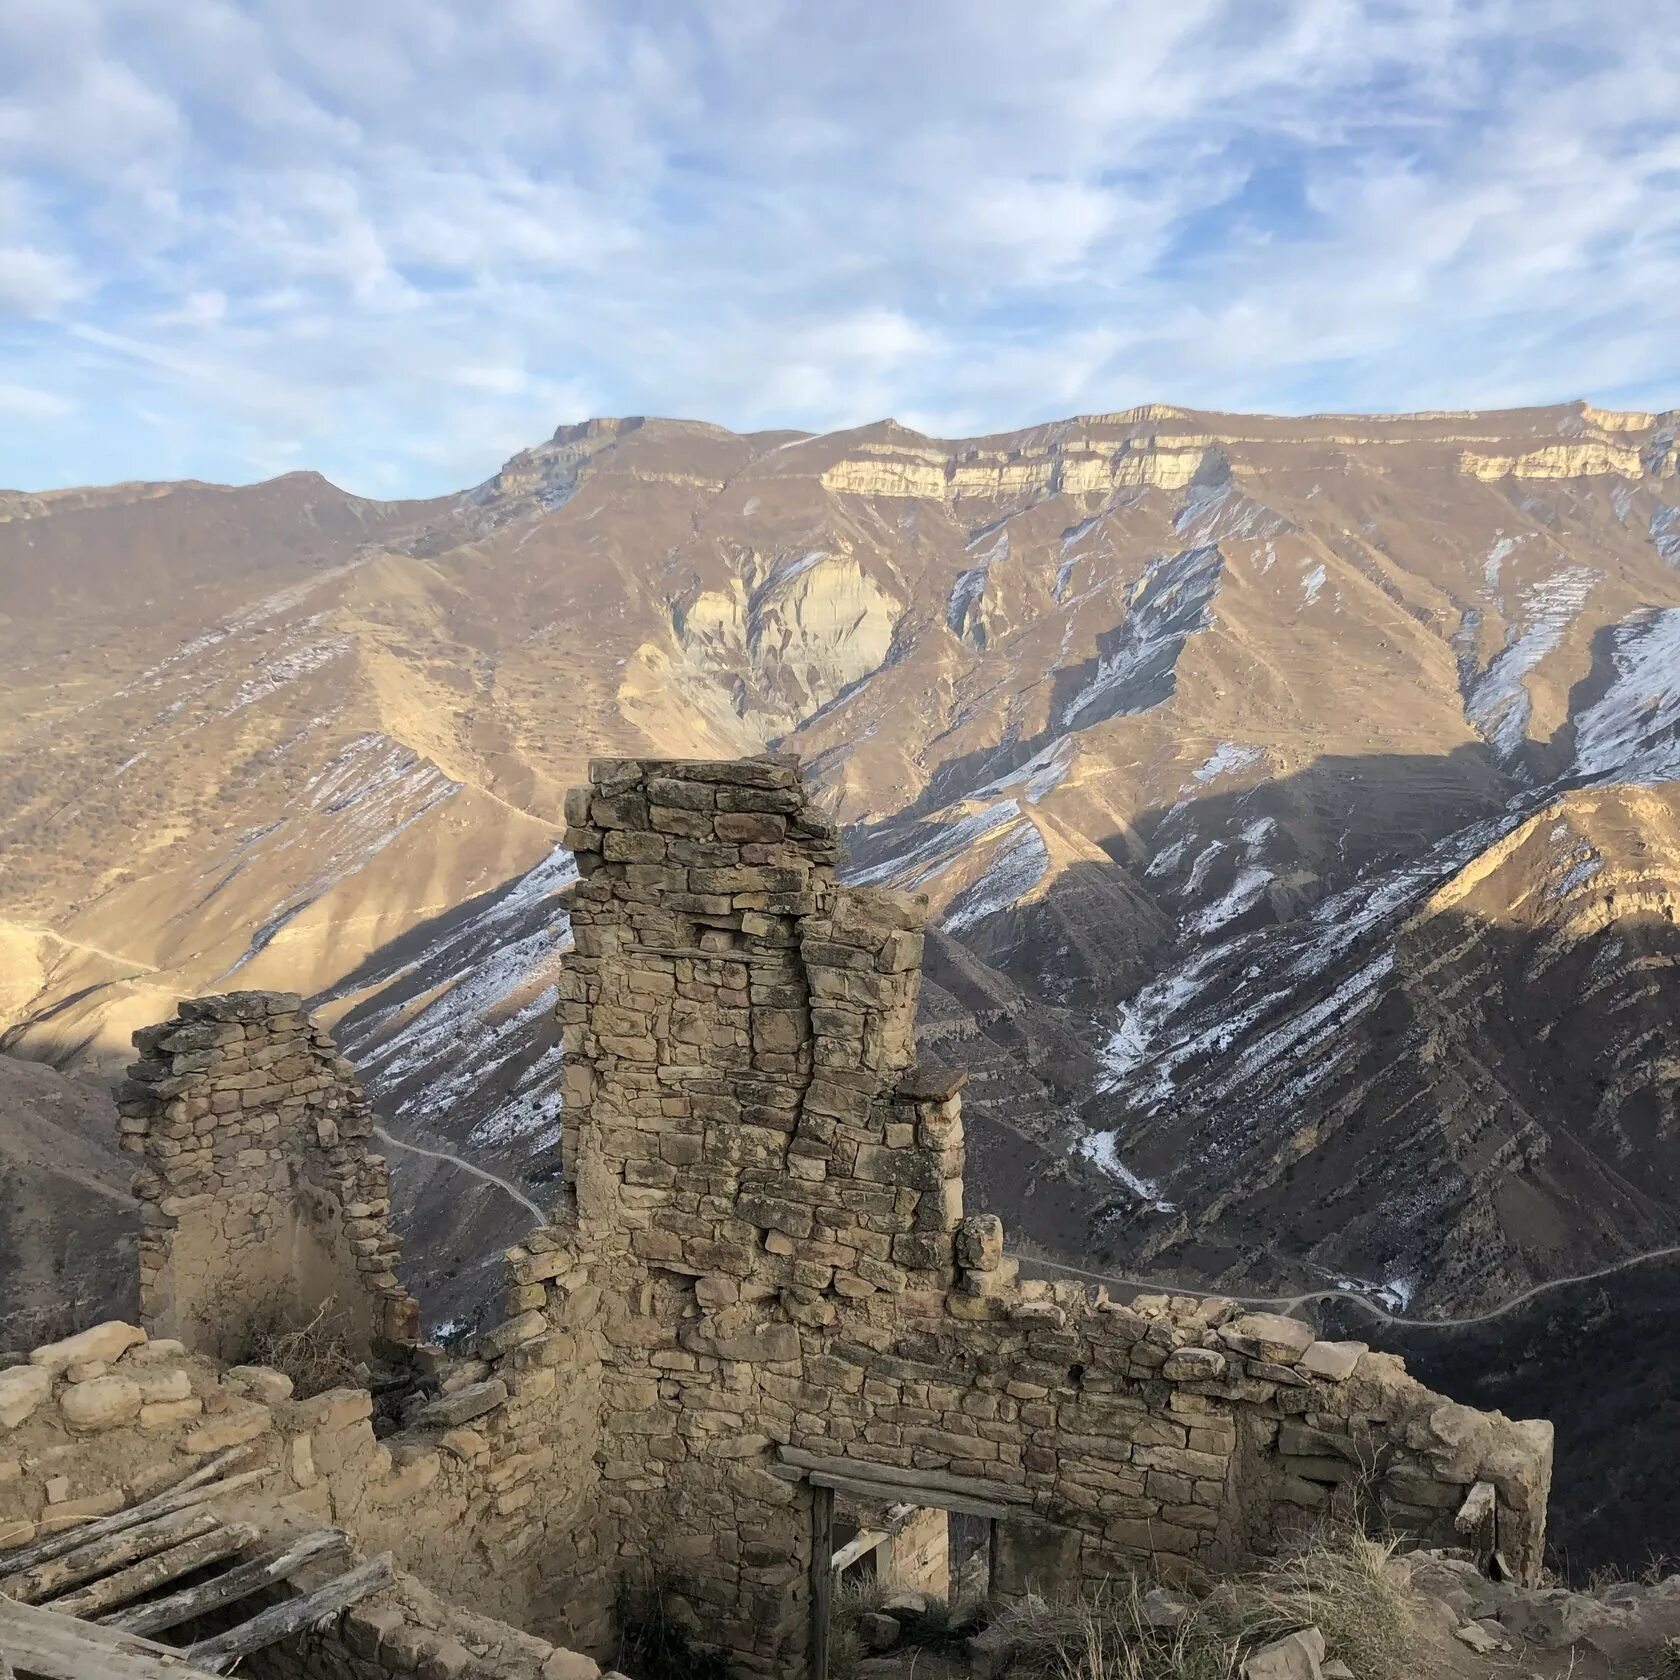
(1292, 795)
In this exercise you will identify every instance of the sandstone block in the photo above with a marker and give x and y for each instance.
(1297, 1656)
(980, 1242)
(1269, 1336)
(161, 1414)
(570, 1665)
(465, 1404)
(22, 1389)
(261, 1382)
(1194, 1364)
(1333, 1361)
(514, 1333)
(231, 1429)
(103, 1403)
(338, 1408)
(107, 1342)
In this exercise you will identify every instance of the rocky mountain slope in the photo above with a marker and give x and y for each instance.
(1292, 796)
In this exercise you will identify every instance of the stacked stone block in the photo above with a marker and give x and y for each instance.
(487, 1494)
(259, 1199)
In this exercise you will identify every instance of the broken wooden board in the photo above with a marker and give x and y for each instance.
(216, 1545)
(62, 1648)
(229, 1587)
(218, 1655)
(189, 1491)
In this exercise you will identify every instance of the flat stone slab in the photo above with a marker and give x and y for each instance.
(465, 1404)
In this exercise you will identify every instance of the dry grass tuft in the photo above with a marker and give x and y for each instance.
(1339, 1582)
(1103, 1634)
(316, 1355)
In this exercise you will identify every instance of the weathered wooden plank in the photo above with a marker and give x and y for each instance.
(822, 1578)
(912, 1482)
(100, 1557)
(190, 1490)
(860, 1545)
(42, 1642)
(937, 1498)
(159, 1569)
(228, 1588)
(218, 1655)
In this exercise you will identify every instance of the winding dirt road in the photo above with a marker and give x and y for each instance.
(466, 1166)
(1293, 1303)
(1277, 1303)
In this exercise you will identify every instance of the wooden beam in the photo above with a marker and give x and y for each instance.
(190, 1490)
(822, 1578)
(932, 1498)
(99, 1557)
(861, 1545)
(42, 1642)
(238, 1583)
(914, 1484)
(218, 1655)
(158, 1570)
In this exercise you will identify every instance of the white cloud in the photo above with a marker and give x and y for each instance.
(30, 404)
(394, 239)
(36, 282)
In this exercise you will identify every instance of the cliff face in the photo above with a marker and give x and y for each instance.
(1179, 719)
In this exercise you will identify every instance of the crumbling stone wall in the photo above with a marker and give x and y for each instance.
(486, 1495)
(259, 1200)
(769, 1199)
(760, 1288)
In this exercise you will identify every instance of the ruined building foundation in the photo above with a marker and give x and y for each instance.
(760, 1293)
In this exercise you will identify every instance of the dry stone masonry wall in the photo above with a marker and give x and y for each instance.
(463, 1497)
(259, 1200)
(761, 1291)
(768, 1197)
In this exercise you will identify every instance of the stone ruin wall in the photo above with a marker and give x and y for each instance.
(761, 1286)
(484, 1496)
(769, 1197)
(259, 1201)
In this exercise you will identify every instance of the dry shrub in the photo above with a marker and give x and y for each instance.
(1103, 1634)
(1338, 1581)
(317, 1354)
(942, 1626)
(656, 1633)
(1342, 1583)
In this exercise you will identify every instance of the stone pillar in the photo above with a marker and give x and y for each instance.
(734, 1024)
(259, 1201)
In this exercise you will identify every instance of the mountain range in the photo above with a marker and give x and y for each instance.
(1297, 802)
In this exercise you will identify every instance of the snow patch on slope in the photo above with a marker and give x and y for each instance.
(1496, 702)
(487, 999)
(1225, 759)
(370, 793)
(934, 849)
(1099, 1149)
(1136, 669)
(1633, 732)
(1017, 865)
(1044, 771)
(1665, 533)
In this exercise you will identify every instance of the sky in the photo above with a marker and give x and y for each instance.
(396, 240)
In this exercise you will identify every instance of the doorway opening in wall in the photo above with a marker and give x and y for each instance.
(904, 1580)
